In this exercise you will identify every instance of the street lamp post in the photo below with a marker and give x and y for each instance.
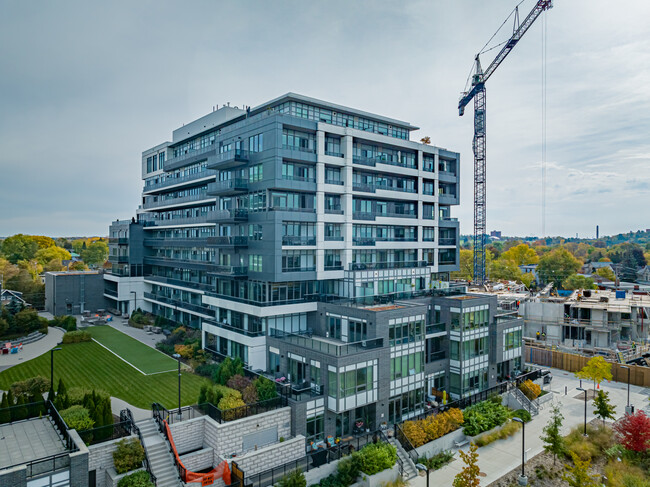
(585, 392)
(178, 357)
(424, 468)
(523, 480)
(628, 409)
(52, 365)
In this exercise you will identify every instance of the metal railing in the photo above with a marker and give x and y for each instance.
(227, 326)
(363, 266)
(316, 459)
(407, 446)
(234, 214)
(226, 415)
(338, 182)
(188, 153)
(23, 411)
(330, 348)
(436, 328)
(334, 154)
(298, 240)
(372, 215)
(236, 184)
(160, 416)
(447, 241)
(171, 181)
(60, 425)
(106, 433)
(176, 201)
(298, 148)
(228, 241)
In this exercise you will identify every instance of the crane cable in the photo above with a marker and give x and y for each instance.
(543, 123)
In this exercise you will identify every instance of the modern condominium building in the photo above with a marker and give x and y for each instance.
(287, 233)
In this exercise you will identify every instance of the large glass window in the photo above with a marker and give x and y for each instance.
(316, 428)
(406, 365)
(255, 143)
(296, 140)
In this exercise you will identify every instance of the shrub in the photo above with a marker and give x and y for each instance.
(137, 479)
(206, 370)
(633, 431)
(231, 401)
(249, 395)
(484, 416)
(376, 457)
(165, 348)
(185, 351)
(76, 395)
(239, 382)
(77, 337)
(530, 389)
(128, 456)
(522, 414)
(508, 430)
(295, 478)
(265, 388)
(584, 448)
(438, 460)
(33, 387)
(432, 427)
(347, 472)
(68, 323)
(77, 417)
(625, 474)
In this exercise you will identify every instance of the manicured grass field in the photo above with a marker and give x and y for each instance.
(91, 366)
(145, 358)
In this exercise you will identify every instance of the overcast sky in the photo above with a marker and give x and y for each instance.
(85, 87)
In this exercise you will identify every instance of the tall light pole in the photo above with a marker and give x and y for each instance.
(628, 409)
(424, 468)
(52, 365)
(585, 393)
(178, 357)
(523, 480)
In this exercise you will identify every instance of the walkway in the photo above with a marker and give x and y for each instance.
(32, 350)
(118, 404)
(502, 456)
(142, 336)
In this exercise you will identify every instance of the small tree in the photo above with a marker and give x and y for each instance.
(553, 440)
(128, 455)
(577, 475)
(295, 478)
(469, 476)
(5, 417)
(633, 431)
(597, 369)
(604, 409)
(61, 390)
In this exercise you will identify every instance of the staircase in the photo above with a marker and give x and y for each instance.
(409, 471)
(159, 455)
(531, 406)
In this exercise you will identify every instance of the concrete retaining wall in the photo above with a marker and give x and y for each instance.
(199, 460)
(188, 435)
(443, 443)
(271, 456)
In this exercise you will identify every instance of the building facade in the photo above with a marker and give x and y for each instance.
(257, 223)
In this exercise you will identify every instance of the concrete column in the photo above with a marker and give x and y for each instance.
(347, 202)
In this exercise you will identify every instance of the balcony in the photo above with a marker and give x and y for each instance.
(226, 216)
(447, 241)
(149, 219)
(303, 179)
(334, 210)
(180, 283)
(182, 180)
(338, 182)
(333, 154)
(228, 187)
(372, 215)
(434, 328)
(229, 271)
(299, 149)
(175, 201)
(293, 240)
(369, 266)
(111, 292)
(364, 161)
(226, 326)
(230, 159)
(180, 160)
(228, 241)
(447, 199)
(119, 241)
(334, 238)
(338, 267)
(118, 259)
(331, 346)
(178, 304)
(363, 241)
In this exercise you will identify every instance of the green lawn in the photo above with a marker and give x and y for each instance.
(145, 358)
(91, 366)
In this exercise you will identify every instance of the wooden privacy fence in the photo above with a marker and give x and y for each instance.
(639, 375)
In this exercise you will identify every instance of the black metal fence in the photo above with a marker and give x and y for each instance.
(106, 433)
(315, 459)
(20, 412)
(225, 415)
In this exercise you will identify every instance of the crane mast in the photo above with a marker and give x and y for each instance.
(477, 93)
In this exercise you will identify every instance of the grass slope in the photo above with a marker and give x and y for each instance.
(91, 366)
(145, 358)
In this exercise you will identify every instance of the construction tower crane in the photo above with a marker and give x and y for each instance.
(477, 93)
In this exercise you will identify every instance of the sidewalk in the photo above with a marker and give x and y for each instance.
(118, 404)
(500, 457)
(32, 350)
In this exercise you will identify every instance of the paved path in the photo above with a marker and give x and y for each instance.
(118, 404)
(502, 456)
(32, 350)
(142, 336)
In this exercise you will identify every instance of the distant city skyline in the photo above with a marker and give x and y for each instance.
(84, 86)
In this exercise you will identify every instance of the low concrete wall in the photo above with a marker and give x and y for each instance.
(314, 475)
(198, 460)
(100, 458)
(546, 398)
(381, 478)
(271, 456)
(188, 435)
(443, 443)
(111, 477)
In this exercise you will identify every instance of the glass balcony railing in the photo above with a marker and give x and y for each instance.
(447, 241)
(330, 346)
(173, 181)
(237, 214)
(230, 186)
(295, 240)
(230, 270)
(436, 328)
(368, 266)
(228, 241)
(229, 159)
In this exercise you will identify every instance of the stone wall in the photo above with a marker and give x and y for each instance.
(272, 456)
(227, 438)
(199, 460)
(188, 435)
(100, 458)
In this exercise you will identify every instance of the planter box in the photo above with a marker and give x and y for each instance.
(446, 442)
(496, 428)
(112, 477)
(545, 398)
(381, 478)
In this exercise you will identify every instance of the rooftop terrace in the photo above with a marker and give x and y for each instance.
(25, 441)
